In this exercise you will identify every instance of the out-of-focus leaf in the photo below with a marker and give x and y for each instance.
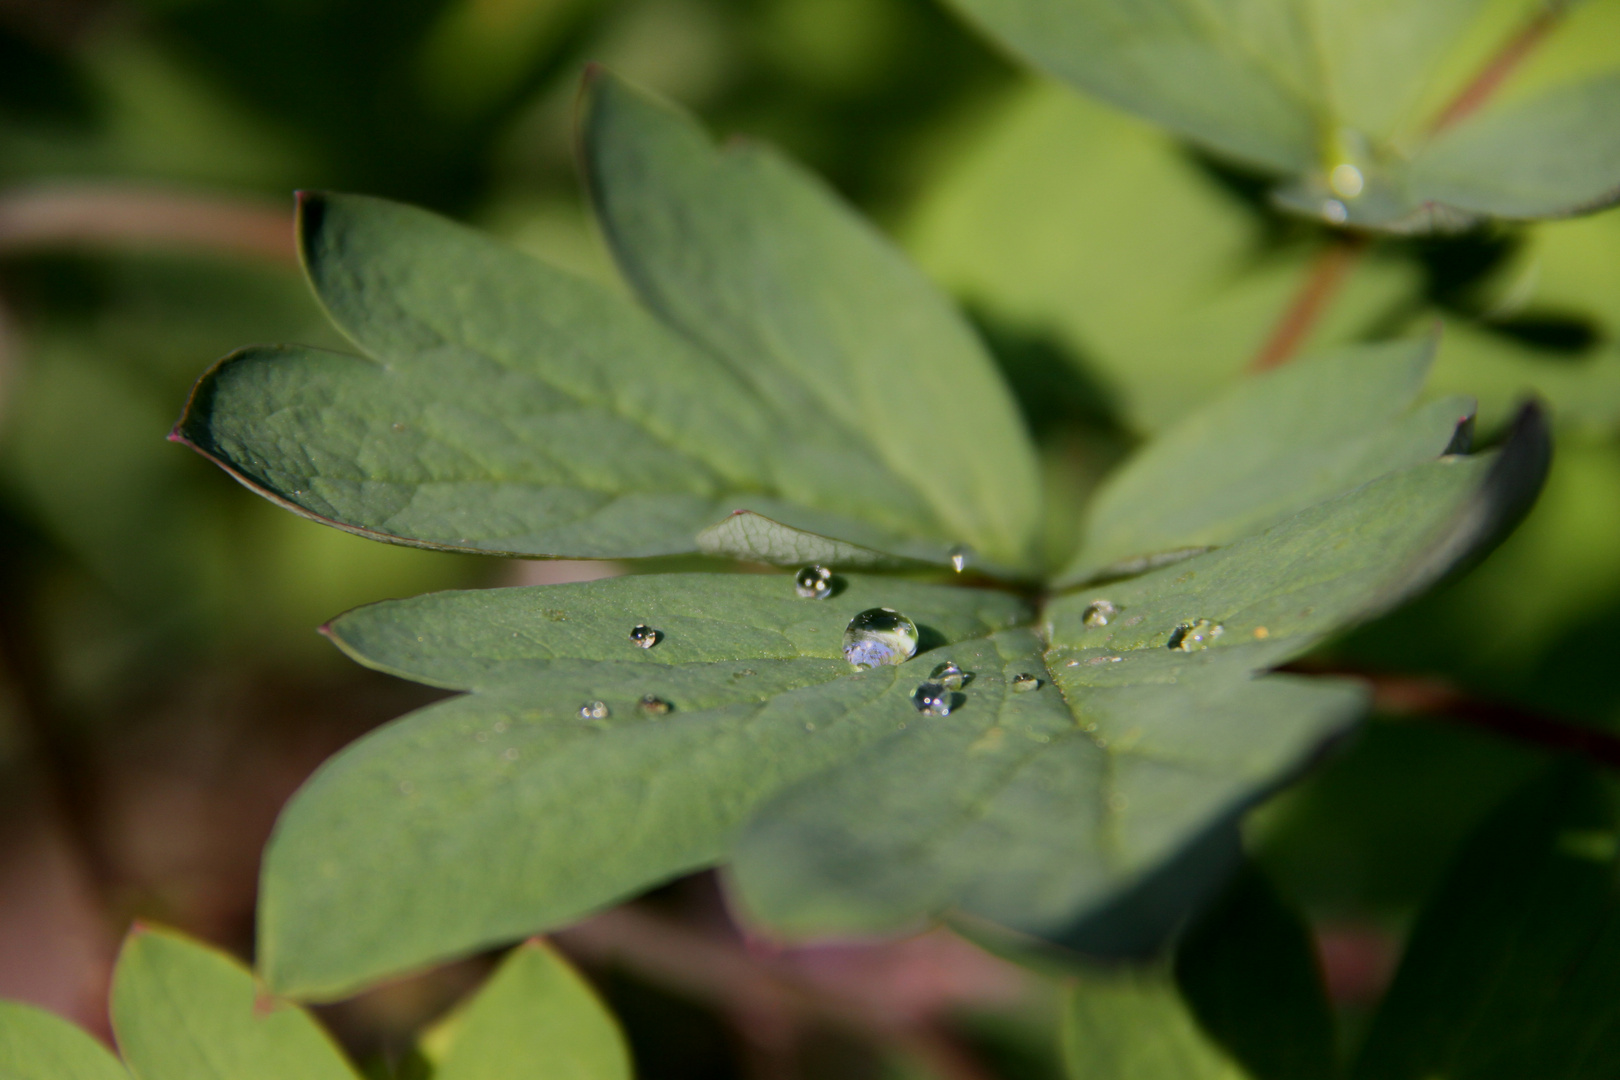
(1349, 104)
(739, 250)
(1268, 448)
(185, 1012)
(535, 1017)
(1582, 391)
(1511, 969)
(38, 1045)
(1133, 1025)
(1248, 971)
(1063, 220)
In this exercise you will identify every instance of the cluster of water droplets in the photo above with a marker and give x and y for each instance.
(1195, 635)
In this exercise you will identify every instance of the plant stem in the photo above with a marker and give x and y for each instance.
(1490, 78)
(1327, 275)
(106, 215)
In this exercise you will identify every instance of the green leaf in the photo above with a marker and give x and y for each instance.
(1270, 447)
(1132, 1025)
(1511, 968)
(1308, 91)
(502, 405)
(742, 251)
(186, 1012)
(547, 812)
(39, 1045)
(1248, 971)
(534, 1017)
(1059, 220)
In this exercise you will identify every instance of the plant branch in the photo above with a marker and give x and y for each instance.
(1327, 275)
(1490, 78)
(113, 215)
(728, 977)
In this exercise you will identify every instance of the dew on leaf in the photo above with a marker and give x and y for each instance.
(1099, 613)
(1024, 682)
(653, 705)
(645, 636)
(949, 676)
(594, 710)
(1335, 211)
(932, 699)
(961, 557)
(1346, 180)
(879, 636)
(510, 753)
(813, 583)
(1195, 635)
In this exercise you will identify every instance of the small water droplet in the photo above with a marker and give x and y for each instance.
(645, 636)
(594, 710)
(1346, 180)
(397, 426)
(510, 753)
(1099, 613)
(932, 699)
(1095, 660)
(1335, 211)
(879, 636)
(406, 787)
(950, 676)
(480, 736)
(809, 725)
(653, 705)
(1195, 635)
(1024, 682)
(813, 583)
(499, 726)
(961, 557)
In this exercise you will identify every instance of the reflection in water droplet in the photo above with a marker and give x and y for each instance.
(1335, 211)
(1346, 180)
(879, 636)
(1025, 682)
(813, 583)
(932, 699)
(949, 676)
(1099, 613)
(653, 705)
(645, 636)
(594, 710)
(1195, 635)
(961, 557)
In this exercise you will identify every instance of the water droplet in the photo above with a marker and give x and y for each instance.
(1099, 613)
(879, 636)
(499, 726)
(406, 787)
(594, 710)
(1195, 635)
(1095, 660)
(645, 636)
(813, 583)
(1024, 682)
(1346, 180)
(510, 753)
(949, 676)
(809, 725)
(1335, 211)
(480, 736)
(932, 699)
(653, 705)
(961, 557)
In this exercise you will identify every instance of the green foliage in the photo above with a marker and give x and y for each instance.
(182, 1011)
(1367, 113)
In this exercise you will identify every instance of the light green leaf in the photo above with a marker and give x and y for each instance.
(1347, 103)
(1132, 1025)
(743, 252)
(1511, 968)
(1064, 222)
(1270, 447)
(186, 1012)
(39, 1045)
(534, 1017)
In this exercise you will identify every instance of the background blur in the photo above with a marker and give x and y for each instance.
(162, 689)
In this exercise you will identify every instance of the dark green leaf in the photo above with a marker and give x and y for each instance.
(186, 1012)
(38, 1045)
(1132, 1025)
(1512, 968)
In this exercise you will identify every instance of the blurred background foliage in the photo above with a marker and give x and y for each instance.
(161, 686)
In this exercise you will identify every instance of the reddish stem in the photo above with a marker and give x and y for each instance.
(1496, 70)
(1321, 285)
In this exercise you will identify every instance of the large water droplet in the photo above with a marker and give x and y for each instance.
(1335, 211)
(961, 557)
(1024, 682)
(949, 676)
(1346, 180)
(1195, 635)
(932, 699)
(879, 636)
(594, 710)
(653, 705)
(813, 583)
(1099, 613)
(645, 636)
